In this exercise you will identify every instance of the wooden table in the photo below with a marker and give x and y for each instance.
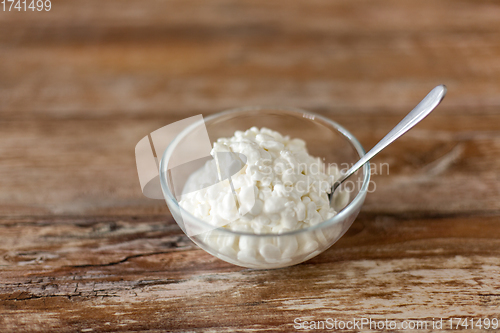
(83, 250)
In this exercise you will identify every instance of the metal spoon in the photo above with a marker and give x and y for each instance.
(423, 108)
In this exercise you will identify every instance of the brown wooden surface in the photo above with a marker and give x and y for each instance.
(81, 249)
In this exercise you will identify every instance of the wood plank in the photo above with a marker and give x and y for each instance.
(145, 58)
(183, 77)
(72, 167)
(317, 16)
(442, 261)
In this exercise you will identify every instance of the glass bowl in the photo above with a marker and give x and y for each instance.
(324, 138)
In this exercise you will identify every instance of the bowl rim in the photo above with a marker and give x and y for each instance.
(339, 217)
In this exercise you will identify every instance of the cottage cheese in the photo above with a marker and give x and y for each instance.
(279, 188)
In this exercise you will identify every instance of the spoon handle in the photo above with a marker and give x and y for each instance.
(423, 108)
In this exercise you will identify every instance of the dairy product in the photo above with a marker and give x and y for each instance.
(279, 188)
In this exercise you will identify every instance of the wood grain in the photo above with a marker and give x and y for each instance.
(82, 250)
(136, 275)
(78, 166)
(183, 56)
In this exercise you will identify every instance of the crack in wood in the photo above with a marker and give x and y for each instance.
(119, 261)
